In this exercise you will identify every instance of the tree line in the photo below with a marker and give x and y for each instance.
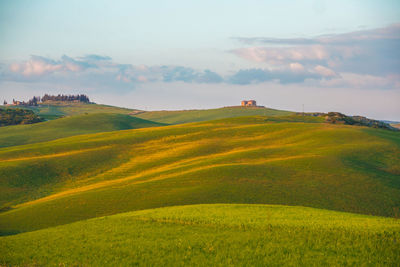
(80, 98)
(36, 100)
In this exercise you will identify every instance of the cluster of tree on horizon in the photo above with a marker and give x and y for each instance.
(36, 100)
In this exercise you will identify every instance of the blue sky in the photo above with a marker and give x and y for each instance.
(202, 54)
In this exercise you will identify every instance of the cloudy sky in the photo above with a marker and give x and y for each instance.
(338, 55)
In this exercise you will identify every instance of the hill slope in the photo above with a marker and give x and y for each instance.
(209, 235)
(240, 160)
(69, 126)
(56, 110)
(185, 116)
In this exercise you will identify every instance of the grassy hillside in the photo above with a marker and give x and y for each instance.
(69, 126)
(239, 160)
(211, 235)
(56, 110)
(185, 116)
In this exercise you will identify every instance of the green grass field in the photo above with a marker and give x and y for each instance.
(210, 235)
(70, 126)
(55, 110)
(255, 160)
(59, 178)
(185, 116)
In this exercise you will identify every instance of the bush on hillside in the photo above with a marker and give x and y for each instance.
(18, 116)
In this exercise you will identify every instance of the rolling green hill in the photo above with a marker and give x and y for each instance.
(185, 116)
(211, 235)
(262, 160)
(69, 126)
(54, 110)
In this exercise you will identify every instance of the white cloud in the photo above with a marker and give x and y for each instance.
(100, 71)
(362, 81)
(361, 59)
(297, 67)
(370, 52)
(323, 61)
(38, 66)
(281, 55)
(34, 66)
(324, 71)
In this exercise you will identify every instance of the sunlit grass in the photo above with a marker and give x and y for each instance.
(208, 235)
(185, 116)
(70, 126)
(240, 160)
(59, 109)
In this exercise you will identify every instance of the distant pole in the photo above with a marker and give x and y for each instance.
(303, 109)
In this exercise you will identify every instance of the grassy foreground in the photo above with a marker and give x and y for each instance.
(209, 235)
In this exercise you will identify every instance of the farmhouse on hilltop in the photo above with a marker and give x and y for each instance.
(249, 103)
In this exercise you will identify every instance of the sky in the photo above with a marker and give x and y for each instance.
(181, 54)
